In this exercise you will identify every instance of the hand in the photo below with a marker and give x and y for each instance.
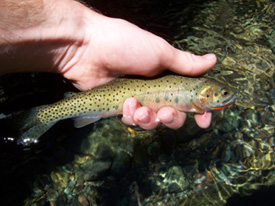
(134, 114)
(90, 50)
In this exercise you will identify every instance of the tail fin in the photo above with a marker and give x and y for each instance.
(30, 126)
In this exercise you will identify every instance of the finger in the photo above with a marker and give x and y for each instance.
(171, 118)
(145, 118)
(129, 108)
(203, 120)
(186, 63)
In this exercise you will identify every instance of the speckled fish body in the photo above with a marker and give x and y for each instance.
(184, 93)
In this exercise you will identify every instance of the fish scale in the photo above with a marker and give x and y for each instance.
(186, 94)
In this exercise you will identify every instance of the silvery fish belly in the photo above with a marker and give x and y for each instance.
(184, 93)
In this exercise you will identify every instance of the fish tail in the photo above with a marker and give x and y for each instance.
(30, 126)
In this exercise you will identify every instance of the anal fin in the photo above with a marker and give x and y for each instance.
(85, 120)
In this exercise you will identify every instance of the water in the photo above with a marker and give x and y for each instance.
(231, 163)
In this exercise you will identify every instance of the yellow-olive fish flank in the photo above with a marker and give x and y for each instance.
(184, 93)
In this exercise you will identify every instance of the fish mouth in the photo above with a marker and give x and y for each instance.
(229, 100)
(226, 102)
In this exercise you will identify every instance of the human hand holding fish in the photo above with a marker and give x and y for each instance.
(91, 50)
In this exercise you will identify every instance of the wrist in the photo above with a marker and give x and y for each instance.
(46, 39)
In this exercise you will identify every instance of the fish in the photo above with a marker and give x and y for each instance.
(186, 94)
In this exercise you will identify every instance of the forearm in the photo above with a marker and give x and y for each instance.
(34, 32)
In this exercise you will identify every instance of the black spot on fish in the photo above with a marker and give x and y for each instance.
(216, 94)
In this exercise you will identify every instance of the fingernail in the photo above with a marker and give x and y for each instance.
(209, 56)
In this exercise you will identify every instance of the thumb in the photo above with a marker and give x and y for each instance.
(189, 64)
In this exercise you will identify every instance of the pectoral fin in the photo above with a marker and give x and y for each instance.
(197, 109)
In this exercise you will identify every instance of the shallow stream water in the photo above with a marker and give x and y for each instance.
(107, 163)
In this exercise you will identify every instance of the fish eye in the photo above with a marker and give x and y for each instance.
(224, 92)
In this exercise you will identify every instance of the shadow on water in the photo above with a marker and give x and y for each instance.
(21, 165)
(263, 196)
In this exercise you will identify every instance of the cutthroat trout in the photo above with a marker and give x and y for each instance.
(186, 94)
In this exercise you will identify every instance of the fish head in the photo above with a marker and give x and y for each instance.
(215, 95)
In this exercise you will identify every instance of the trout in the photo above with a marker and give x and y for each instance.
(186, 94)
